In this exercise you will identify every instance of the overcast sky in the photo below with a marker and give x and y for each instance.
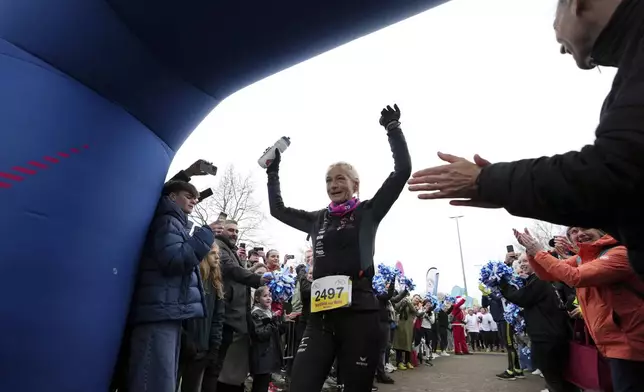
(470, 77)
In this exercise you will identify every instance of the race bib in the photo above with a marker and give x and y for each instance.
(330, 292)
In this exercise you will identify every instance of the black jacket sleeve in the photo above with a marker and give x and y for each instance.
(395, 183)
(230, 269)
(305, 290)
(217, 325)
(264, 327)
(297, 219)
(181, 176)
(174, 254)
(399, 297)
(527, 296)
(599, 185)
(485, 301)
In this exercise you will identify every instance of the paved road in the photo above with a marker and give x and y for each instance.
(472, 373)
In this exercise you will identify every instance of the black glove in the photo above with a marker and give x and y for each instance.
(274, 167)
(389, 118)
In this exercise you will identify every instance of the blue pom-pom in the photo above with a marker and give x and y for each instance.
(494, 272)
(282, 286)
(513, 318)
(517, 282)
(408, 283)
(388, 273)
(526, 351)
(432, 299)
(379, 285)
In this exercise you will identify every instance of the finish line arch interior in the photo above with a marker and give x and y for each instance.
(96, 98)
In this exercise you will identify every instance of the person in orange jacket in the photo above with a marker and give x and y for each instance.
(610, 295)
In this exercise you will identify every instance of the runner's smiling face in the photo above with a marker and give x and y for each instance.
(340, 184)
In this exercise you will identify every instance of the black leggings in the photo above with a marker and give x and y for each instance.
(403, 357)
(442, 335)
(474, 340)
(507, 340)
(347, 334)
(551, 358)
(261, 382)
(430, 339)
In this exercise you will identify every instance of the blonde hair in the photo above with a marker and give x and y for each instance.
(211, 271)
(349, 170)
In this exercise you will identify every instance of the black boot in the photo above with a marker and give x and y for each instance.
(384, 379)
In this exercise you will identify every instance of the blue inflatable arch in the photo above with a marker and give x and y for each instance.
(96, 96)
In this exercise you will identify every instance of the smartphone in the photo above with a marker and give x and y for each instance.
(204, 194)
(222, 216)
(208, 168)
(242, 245)
(510, 248)
(290, 257)
(259, 248)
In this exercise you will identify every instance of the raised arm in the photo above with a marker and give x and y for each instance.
(612, 268)
(528, 296)
(395, 183)
(230, 269)
(297, 219)
(174, 255)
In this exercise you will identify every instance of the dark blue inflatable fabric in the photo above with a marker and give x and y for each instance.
(95, 98)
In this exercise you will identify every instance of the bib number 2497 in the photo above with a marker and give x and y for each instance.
(330, 292)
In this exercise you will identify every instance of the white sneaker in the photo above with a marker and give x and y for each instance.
(545, 390)
(389, 368)
(434, 356)
(445, 354)
(536, 372)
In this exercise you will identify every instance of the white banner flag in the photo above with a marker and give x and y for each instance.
(431, 281)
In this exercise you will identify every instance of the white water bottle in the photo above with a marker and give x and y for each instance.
(267, 158)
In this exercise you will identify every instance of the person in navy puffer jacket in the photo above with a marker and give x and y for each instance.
(168, 291)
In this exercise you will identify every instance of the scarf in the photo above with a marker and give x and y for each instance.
(343, 208)
(267, 313)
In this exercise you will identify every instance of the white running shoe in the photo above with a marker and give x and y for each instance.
(445, 354)
(536, 372)
(389, 368)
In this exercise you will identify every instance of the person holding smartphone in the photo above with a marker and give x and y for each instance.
(343, 236)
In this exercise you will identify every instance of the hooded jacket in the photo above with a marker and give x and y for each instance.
(169, 283)
(609, 293)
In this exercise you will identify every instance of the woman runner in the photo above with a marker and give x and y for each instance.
(343, 237)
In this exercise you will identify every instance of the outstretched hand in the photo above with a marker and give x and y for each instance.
(195, 168)
(390, 118)
(456, 180)
(531, 245)
(274, 165)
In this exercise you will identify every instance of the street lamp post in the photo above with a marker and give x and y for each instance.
(460, 248)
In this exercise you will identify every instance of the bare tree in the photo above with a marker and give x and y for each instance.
(234, 195)
(543, 232)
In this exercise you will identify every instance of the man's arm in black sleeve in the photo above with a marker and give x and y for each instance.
(595, 187)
